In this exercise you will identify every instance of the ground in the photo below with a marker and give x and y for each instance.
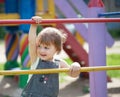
(78, 87)
(72, 87)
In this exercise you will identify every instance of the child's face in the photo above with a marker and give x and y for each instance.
(46, 52)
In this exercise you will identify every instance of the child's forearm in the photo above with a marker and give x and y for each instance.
(32, 33)
(32, 42)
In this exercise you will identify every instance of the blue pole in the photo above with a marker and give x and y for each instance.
(12, 50)
(109, 14)
(11, 6)
(26, 11)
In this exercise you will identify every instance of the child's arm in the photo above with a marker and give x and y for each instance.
(74, 69)
(32, 43)
(32, 40)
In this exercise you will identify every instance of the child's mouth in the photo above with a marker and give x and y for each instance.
(43, 55)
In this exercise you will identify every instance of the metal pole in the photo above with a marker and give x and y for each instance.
(49, 71)
(109, 14)
(51, 21)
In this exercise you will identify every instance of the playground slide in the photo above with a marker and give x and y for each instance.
(74, 49)
(77, 52)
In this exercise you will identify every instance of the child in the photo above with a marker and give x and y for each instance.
(42, 48)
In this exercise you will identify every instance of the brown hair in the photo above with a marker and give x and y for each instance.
(51, 35)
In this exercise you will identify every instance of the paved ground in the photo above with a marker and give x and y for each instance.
(71, 88)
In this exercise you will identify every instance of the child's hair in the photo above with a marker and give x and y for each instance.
(51, 35)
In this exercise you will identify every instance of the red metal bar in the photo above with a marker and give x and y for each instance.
(68, 20)
(96, 3)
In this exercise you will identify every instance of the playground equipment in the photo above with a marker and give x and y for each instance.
(107, 14)
(67, 20)
(63, 70)
(59, 70)
(96, 56)
(43, 11)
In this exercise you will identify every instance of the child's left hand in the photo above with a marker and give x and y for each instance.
(75, 69)
(37, 19)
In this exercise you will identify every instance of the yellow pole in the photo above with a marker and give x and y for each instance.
(40, 5)
(48, 71)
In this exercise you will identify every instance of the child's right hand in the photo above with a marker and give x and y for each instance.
(37, 19)
(75, 69)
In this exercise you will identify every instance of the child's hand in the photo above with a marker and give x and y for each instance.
(75, 69)
(37, 19)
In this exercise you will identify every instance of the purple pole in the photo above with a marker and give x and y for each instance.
(97, 53)
(83, 9)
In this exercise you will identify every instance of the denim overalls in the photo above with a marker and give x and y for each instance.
(43, 85)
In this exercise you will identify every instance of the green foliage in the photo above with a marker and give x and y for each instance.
(68, 60)
(113, 60)
(115, 33)
(62, 76)
(1, 66)
(2, 33)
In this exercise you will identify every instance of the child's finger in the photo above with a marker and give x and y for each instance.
(37, 19)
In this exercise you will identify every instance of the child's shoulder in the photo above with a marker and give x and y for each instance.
(59, 60)
(62, 63)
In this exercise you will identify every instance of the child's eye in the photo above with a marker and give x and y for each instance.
(46, 47)
(38, 46)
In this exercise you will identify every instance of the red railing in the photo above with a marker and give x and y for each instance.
(68, 20)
